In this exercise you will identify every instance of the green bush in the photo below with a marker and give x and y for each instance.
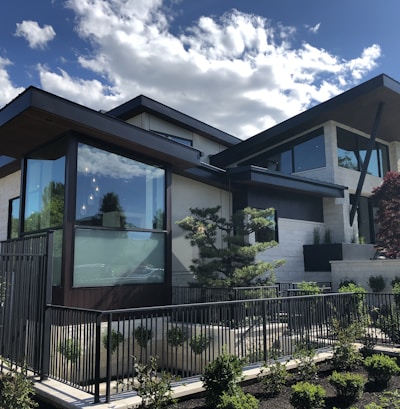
(239, 400)
(309, 287)
(116, 339)
(154, 387)
(389, 323)
(349, 386)
(306, 395)
(381, 368)
(305, 353)
(16, 391)
(345, 354)
(222, 375)
(369, 342)
(143, 335)
(274, 377)
(176, 336)
(396, 292)
(199, 343)
(70, 348)
(376, 283)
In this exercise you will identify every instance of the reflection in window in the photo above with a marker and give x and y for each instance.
(118, 192)
(13, 218)
(44, 197)
(352, 150)
(109, 257)
(305, 153)
(269, 233)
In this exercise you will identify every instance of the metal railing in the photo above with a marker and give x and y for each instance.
(90, 349)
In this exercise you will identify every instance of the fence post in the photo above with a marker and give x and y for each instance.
(108, 370)
(48, 288)
(264, 324)
(97, 363)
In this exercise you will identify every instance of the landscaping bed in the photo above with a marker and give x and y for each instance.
(372, 393)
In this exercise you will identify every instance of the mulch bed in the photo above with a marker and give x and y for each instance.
(371, 393)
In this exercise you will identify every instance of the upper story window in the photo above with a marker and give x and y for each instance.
(13, 218)
(352, 150)
(305, 153)
(175, 138)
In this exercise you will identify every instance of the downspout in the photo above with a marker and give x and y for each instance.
(367, 158)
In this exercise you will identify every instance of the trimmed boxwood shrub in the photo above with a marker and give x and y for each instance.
(381, 368)
(306, 395)
(349, 386)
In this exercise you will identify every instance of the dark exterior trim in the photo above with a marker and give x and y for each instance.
(37, 117)
(355, 108)
(142, 104)
(254, 175)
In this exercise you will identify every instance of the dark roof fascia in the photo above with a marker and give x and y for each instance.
(11, 167)
(209, 174)
(97, 124)
(142, 104)
(254, 175)
(302, 122)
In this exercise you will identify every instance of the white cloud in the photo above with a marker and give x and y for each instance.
(37, 36)
(238, 72)
(8, 90)
(313, 29)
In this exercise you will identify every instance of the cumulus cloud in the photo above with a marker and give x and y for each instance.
(37, 36)
(8, 90)
(238, 72)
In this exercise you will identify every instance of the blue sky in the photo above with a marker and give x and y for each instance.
(239, 65)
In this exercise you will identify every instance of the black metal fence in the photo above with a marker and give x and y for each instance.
(23, 295)
(90, 348)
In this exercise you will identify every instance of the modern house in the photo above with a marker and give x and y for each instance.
(111, 185)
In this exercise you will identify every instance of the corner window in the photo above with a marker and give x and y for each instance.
(352, 150)
(44, 190)
(120, 219)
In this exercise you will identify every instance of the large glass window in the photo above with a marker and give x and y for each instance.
(109, 257)
(118, 192)
(121, 204)
(44, 195)
(305, 153)
(13, 218)
(352, 151)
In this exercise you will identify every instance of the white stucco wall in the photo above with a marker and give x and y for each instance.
(186, 194)
(9, 189)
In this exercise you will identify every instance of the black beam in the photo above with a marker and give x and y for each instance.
(365, 164)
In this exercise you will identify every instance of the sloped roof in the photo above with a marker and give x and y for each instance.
(355, 108)
(36, 117)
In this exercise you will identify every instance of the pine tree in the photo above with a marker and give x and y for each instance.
(226, 258)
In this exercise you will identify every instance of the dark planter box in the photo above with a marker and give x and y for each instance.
(317, 257)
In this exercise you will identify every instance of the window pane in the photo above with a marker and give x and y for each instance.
(373, 168)
(13, 218)
(109, 258)
(347, 149)
(57, 256)
(309, 154)
(383, 153)
(44, 203)
(269, 233)
(115, 191)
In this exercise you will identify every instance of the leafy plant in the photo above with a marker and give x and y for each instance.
(305, 354)
(154, 388)
(389, 324)
(345, 354)
(226, 258)
(239, 400)
(385, 198)
(381, 368)
(143, 335)
(316, 235)
(176, 336)
(16, 391)
(396, 292)
(199, 343)
(71, 349)
(349, 386)
(306, 395)
(376, 283)
(116, 339)
(222, 376)
(309, 287)
(369, 342)
(274, 378)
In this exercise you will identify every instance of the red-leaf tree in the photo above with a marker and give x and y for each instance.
(386, 198)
